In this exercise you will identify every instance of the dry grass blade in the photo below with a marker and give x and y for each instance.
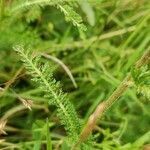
(102, 107)
(63, 66)
(26, 103)
(1, 89)
(146, 147)
(11, 81)
(2, 126)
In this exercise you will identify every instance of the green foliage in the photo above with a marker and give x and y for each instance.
(33, 14)
(48, 136)
(72, 16)
(19, 5)
(117, 34)
(63, 5)
(37, 134)
(42, 75)
(141, 78)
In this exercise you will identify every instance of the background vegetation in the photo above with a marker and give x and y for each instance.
(93, 44)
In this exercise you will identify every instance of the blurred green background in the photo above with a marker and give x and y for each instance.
(117, 34)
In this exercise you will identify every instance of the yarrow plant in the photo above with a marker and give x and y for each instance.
(42, 75)
(141, 77)
(95, 45)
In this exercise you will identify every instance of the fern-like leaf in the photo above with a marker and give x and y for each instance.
(42, 75)
(72, 16)
(29, 3)
(142, 80)
(63, 5)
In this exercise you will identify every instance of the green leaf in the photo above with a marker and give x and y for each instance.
(88, 10)
(37, 134)
(72, 16)
(48, 136)
(42, 75)
(141, 79)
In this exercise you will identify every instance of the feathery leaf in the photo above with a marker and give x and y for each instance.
(42, 75)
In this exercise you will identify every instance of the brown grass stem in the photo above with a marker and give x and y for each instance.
(104, 106)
